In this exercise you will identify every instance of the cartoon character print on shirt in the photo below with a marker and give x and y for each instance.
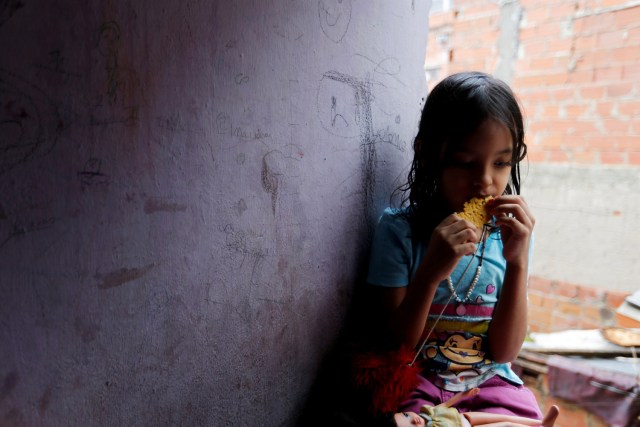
(458, 352)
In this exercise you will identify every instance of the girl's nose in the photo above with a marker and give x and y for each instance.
(483, 178)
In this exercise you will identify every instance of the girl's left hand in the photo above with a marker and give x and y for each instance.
(516, 222)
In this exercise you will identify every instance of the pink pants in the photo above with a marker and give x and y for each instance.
(496, 396)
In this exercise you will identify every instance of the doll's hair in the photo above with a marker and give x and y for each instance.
(454, 109)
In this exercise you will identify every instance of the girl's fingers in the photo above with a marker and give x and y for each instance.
(513, 206)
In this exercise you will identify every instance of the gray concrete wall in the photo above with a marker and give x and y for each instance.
(587, 224)
(186, 195)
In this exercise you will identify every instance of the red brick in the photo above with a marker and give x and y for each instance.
(586, 43)
(568, 308)
(605, 108)
(538, 156)
(588, 293)
(611, 39)
(626, 142)
(627, 17)
(620, 89)
(634, 35)
(533, 16)
(614, 299)
(616, 127)
(551, 111)
(584, 157)
(612, 158)
(608, 74)
(611, 3)
(437, 20)
(561, 10)
(567, 290)
(563, 93)
(634, 158)
(592, 92)
(576, 111)
(631, 71)
(624, 54)
(558, 156)
(534, 48)
(540, 284)
(556, 45)
(592, 24)
(581, 76)
(535, 300)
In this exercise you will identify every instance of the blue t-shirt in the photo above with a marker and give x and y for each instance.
(455, 355)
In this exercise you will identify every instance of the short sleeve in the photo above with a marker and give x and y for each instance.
(390, 263)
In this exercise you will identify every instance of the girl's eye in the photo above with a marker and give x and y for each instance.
(405, 414)
(503, 164)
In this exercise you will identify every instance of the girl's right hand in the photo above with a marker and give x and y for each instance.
(452, 239)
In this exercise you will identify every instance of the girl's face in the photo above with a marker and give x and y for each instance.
(408, 419)
(480, 166)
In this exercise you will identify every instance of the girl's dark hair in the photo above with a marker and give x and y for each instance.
(454, 109)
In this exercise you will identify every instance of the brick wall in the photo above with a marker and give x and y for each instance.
(574, 64)
(557, 306)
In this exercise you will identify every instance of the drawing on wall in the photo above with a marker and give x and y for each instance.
(347, 114)
(225, 126)
(8, 8)
(91, 174)
(29, 123)
(118, 101)
(248, 245)
(55, 65)
(274, 163)
(335, 17)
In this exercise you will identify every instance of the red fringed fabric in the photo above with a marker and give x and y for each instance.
(386, 377)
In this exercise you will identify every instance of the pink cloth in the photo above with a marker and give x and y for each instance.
(496, 396)
(614, 396)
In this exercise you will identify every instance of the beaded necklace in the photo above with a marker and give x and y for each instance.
(485, 228)
(461, 309)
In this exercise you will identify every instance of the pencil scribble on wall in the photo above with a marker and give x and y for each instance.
(247, 245)
(335, 17)
(225, 126)
(118, 102)
(274, 165)
(8, 8)
(29, 122)
(91, 174)
(347, 113)
(55, 65)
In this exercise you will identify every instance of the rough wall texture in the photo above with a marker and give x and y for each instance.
(186, 191)
(575, 66)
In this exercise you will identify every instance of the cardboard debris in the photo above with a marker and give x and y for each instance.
(582, 342)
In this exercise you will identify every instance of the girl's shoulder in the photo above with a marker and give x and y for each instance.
(398, 217)
(396, 214)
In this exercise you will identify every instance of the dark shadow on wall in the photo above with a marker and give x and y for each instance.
(333, 401)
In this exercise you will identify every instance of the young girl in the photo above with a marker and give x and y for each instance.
(436, 274)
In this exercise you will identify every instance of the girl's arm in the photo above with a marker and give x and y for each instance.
(407, 307)
(509, 324)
